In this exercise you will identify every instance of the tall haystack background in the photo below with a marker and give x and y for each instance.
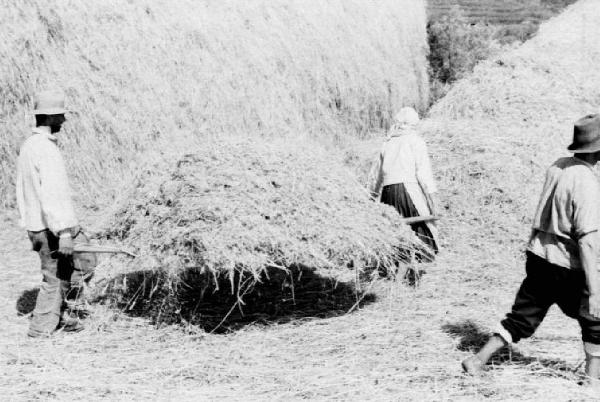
(142, 76)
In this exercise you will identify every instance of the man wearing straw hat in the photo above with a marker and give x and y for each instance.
(404, 172)
(561, 254)
(47, 213)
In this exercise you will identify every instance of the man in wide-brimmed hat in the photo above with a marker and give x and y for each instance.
(561, 254)
(47, 213)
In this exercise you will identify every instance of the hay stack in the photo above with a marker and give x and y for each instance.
(248, 205)
(235, 209)
(145, 75)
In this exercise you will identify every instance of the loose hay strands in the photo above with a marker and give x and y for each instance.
(248, 206)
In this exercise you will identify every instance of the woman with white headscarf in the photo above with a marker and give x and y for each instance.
(404, 172)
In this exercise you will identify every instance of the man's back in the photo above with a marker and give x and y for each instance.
(567, 210)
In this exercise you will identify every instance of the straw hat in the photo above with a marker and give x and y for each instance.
(586, 135)
(407, 115)
(49, 102)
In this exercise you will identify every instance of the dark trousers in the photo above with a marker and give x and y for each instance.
(547, 284)
(397, 196)
(61, 283)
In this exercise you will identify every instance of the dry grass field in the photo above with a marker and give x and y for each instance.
(513, 20)
(500, 11)
(491, 139)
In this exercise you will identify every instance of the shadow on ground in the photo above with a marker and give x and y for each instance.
(26, 302)
(471, 338)
(280, 297)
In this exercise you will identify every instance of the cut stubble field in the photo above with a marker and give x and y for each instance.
(404, 345)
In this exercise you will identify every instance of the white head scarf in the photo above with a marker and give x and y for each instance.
(407, 116)
(406, 120)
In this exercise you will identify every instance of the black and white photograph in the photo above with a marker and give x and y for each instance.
(286, 200)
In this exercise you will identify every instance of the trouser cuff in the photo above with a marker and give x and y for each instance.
(504, 334)
(591, 349)
(38, 334)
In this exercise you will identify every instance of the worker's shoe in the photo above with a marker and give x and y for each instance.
(69, 323)
(38, 334)
(473, 366)
(79, 309)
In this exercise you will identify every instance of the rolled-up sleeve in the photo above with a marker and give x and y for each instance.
(423, 167)
(55, 192)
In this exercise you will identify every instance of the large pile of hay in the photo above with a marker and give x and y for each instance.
(237, 210)
(250, 204)
(143, 74)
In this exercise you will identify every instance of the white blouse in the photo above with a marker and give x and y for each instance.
(404, 159)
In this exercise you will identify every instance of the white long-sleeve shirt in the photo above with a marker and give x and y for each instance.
(404, 159)
(43, 191)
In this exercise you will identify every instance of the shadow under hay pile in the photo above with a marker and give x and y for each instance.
(280, 296)
(227, 233)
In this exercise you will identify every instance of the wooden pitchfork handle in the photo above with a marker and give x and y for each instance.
(94, 248)
(417, 219)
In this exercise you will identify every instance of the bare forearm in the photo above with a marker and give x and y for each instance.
(587, 254)
(376, 176)
(430, 202)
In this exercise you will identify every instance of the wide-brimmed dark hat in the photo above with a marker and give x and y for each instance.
(586, 135)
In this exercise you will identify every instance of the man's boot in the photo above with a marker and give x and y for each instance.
(70, 323)
(76, 303)
(473, 366)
